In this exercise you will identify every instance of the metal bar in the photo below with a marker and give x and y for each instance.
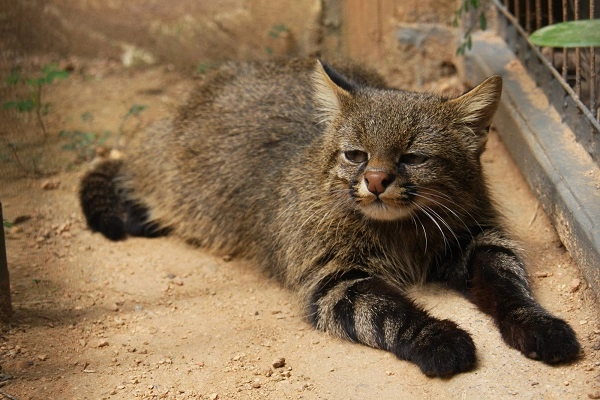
(565, 51)
(538, 14)
(593, 76)
(577, 57)
(563, 83)
(528, 16)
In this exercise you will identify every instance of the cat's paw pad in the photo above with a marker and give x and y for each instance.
(443, 349)
(542, 337)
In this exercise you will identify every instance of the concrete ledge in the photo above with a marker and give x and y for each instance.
(558, 169)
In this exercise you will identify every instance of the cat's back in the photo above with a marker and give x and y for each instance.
(219, 161)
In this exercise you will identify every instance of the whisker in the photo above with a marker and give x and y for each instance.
(443, 221)
(448, 209)
(424, 211)
(440, 195)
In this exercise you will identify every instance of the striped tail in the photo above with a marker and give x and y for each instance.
(102, 206)
(365, 309)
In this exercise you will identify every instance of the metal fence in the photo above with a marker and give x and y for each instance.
(568, 76)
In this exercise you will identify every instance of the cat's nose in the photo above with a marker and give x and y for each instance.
(377, 181)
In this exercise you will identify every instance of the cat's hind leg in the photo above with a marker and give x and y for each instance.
(365, 309)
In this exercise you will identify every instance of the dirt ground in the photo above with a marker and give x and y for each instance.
(158, 319)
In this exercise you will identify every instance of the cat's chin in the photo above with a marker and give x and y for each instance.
(382, 212)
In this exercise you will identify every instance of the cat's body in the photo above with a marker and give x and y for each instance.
(344, 190)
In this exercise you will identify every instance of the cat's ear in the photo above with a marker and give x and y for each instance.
(330, 91)
(477, 107)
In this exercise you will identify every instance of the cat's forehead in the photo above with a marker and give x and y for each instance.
(397, 117)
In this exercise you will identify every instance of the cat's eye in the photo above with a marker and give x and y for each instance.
(413, 159)
(356, 156)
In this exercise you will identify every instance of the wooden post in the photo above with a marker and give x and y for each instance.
(6, 310)
(367, 28)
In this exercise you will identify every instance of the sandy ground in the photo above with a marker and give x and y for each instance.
(158, 319)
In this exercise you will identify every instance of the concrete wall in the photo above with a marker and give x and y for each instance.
(412, 39)
(182, 32)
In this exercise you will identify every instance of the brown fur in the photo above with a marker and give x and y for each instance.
(344, 190)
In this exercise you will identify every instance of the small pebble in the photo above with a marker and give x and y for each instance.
(278, 362)
(50, 184)
(595, 395)
(102, 343)
(574, 285)
(42, 357)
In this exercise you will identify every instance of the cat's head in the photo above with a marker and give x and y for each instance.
(390, 154)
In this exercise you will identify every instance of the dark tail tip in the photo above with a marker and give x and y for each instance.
(100, 201)
(112, 228)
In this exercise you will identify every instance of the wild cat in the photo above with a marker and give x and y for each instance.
(345, 190)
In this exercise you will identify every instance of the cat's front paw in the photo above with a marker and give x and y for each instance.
(443, 349)
(541, 337)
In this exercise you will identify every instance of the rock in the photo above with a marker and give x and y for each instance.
(278, 362)
(574, 285)
(50, 184)
(23, 364)
(595, 395)
(102, 343)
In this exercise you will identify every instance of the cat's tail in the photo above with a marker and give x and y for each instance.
(101, 202)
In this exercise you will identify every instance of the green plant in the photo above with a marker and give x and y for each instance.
(7, 224)
(134, 111)
(205, 67)
(275, 33)
(34, 101)
(582, 33)
(464, 13)
(84, 142)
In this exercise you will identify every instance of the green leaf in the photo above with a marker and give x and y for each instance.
(49, 68)
(204, 67)
(277, 29)
(13, 78)
(136, 109)
(87, 117)
(482, 22)
(21, 106)
(53, 75)
(582, 33)
(7, 224)
(34, 81)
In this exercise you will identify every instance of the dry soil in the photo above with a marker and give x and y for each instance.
(158, 319)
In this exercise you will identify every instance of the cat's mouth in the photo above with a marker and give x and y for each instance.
(384, 210)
